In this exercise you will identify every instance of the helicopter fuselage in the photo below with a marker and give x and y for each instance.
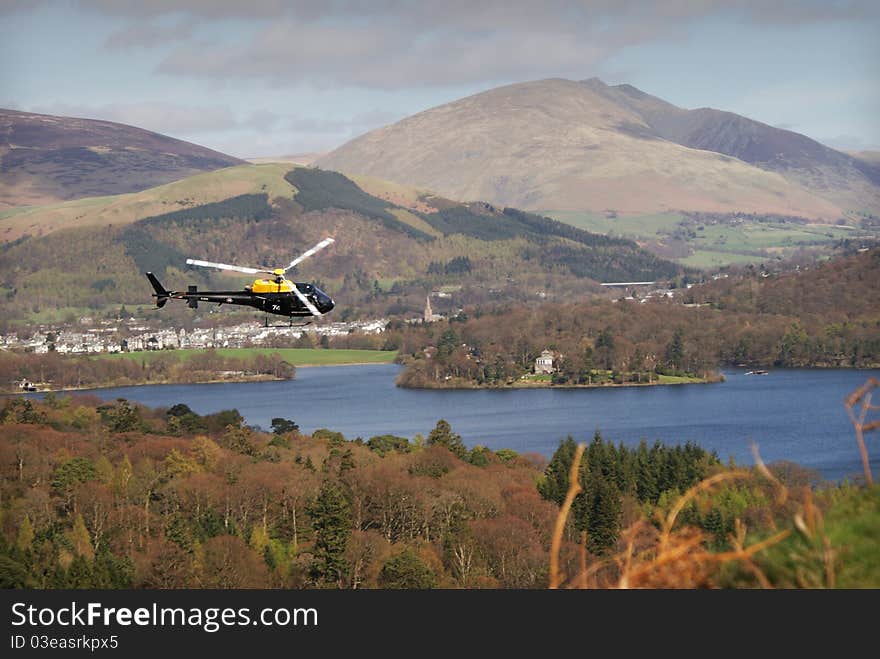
(264, 295)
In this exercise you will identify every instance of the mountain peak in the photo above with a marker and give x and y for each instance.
(593, 82)
(557, 144)
(629, 90)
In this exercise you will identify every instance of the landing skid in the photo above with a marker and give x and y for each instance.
(290, 325)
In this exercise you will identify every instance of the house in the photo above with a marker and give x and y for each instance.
(544, 363)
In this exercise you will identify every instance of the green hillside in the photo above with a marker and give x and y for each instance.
(386, 258)
(710, 240)
(113, 210)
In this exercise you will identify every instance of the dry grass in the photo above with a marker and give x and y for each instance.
(665, 554)
(861, 399)
(574, 489)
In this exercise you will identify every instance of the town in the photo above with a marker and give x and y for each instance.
(131, 335)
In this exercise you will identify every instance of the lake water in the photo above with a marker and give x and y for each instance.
(794, 414)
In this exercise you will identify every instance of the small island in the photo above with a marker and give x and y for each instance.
(550, 370)
(595, 380)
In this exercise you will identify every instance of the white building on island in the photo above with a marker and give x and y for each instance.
(544, 363)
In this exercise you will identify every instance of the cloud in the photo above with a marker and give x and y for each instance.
(343, 127)
(383, 56)
(499, 13)
(160, 117)
(13, 6)
(261, 145)
(395, 44)
(207, 9)
(263, 120)
(392, 45)
(149, 35)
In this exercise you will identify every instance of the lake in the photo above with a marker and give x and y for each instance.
(792, 414)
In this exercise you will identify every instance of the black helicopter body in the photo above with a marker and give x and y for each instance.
(284, 303)
(279, 295)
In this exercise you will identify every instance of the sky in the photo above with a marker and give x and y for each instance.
(269, 78)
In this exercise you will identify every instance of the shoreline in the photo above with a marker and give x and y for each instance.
(547, 385)
(233, 380)
(719, 378)
(257, 378)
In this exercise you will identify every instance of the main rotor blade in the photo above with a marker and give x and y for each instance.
(302, 298)
(321, 245)
(225, 266)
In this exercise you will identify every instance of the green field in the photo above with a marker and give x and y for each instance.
(760, 235)
(711, 245)
(678, 379)
(707, 259)
(628, 226)
(295, 356)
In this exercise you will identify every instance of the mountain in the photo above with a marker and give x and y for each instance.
(848, 181)
(87, 257)
(46, 159)
(584, 146)
(869, 157)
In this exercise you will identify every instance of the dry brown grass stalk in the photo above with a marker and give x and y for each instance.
(810, 523)
(781, 490)
(574, 488)
(862, 397)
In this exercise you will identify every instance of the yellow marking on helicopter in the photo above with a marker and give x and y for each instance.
(271, 286)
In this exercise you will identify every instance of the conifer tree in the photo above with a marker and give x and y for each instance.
(331, 521)
(675, 351)
(555, 483)
(603, 508)
(442, 435)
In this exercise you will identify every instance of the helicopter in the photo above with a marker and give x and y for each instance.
(278, 295)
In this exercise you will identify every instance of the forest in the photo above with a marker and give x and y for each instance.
(825, 316)
(111, 494)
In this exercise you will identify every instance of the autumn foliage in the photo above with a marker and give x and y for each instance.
(115, 495)
(110, 494)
